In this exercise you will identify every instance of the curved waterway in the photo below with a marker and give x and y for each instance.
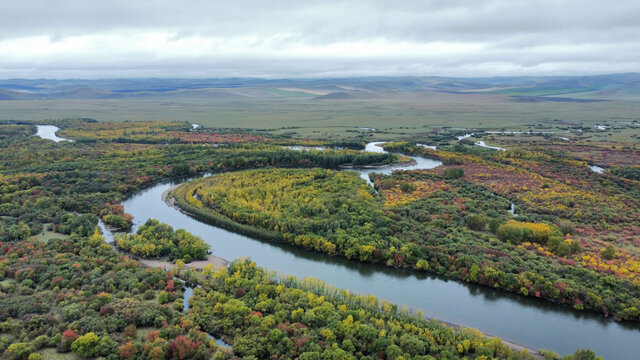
(49, 132)
(418, 163)
(526, 321)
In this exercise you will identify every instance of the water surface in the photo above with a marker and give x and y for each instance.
(482, 144)
(596, 169)
(49, 132)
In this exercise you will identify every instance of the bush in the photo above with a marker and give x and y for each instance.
(407, 187)
(494, 224)
(68, 337)
(149, 295)
(566, 227)
(41, 341)
(476, 222)
(511, 232)
(608, 253)
(454, 173)
(86, 345)
(163, 297)
(517, 232)
(130, 331)
(20, 351)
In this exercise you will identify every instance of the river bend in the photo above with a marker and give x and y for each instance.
(530, 322)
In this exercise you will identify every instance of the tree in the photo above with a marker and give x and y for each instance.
(407, 187)
(96, 239)
(86, 345)
(454, 173)
(609, 252)
(183, 347)
(19, 231)
(476, 222)
(68, 337)
(20, 351)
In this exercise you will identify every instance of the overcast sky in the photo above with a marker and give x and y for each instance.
(298, 38)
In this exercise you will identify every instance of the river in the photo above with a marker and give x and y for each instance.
(530, 322)
(49, 132)
(417, 163)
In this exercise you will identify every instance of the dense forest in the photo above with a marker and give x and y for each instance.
(41, 181)
(67, 294)
(76, 294)
(452, 220)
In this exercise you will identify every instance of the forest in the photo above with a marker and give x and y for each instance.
(565, 246)
(75, 295)
(41, 181)
(67, 293)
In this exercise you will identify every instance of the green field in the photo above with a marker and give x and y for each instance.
(328, 108)
(393, 115)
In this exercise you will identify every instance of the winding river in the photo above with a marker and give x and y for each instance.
(49, 132)
(529, 322)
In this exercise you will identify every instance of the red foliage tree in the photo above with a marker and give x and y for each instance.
(183, 348)
(68, 337)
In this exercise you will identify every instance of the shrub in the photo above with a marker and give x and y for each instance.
(130, 331)
(454, 173)
(163, 297)
(149, 295)
(476, 222)
(68, 337)
(86, 345)
(128, 350)
(608, 253)
(407, 187)
(517, 232)
(20, 351)
(41, 341)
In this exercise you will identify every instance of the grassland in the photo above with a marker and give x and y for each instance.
(393, 115)
(396, 108)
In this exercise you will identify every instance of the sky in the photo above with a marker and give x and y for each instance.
(311, 39)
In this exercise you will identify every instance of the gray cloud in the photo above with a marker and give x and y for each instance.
(67, 38)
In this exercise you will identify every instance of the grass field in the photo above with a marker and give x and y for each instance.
(52, 354)
(47, 235)
(395, 114)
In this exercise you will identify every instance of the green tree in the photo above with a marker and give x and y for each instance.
(454, 173)
(19, 231)
(20, 350)
(609, 252)
(86, 345)
(476, 222)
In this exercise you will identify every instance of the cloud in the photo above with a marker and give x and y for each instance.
(65, 38)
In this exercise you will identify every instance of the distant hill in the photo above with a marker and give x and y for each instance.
(599, 87)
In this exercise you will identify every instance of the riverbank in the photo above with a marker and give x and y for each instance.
(216, 261)
(171, 202)
(535, 323)
(399, 164)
